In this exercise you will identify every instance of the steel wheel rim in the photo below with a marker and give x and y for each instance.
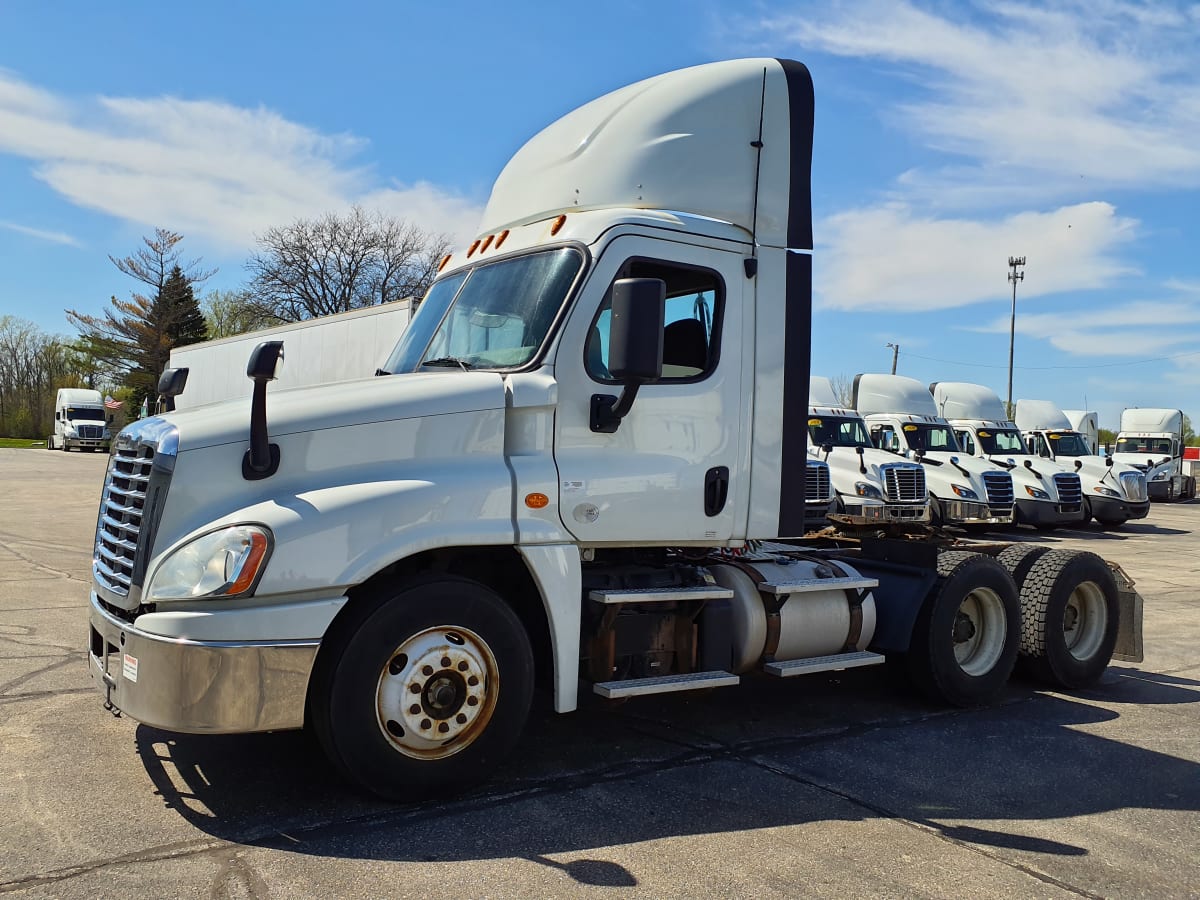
(979, 630)
(436, 692)
(1085, 619)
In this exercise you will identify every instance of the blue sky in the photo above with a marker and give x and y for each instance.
(949, 136)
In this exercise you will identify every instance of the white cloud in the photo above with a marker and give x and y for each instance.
(891, 258)
(205, 168)
(54, 237)
(1104, 90)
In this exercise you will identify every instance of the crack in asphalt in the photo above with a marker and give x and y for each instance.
(33, 563)
(21, 679)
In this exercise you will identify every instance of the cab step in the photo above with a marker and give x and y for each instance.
(833, 663)
(661, 595)
(664, 684)
(804, 585)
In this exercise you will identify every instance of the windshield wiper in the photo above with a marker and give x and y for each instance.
(447, 362)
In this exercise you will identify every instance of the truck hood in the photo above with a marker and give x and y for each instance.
(342, 404)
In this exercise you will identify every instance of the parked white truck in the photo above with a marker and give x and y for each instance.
(582, 469)
(872, 486)
(1047, 495)
(330, 348)
(1151, 440)
(902, 419)
(1087, 423)
(80, 421)
(1113, 493)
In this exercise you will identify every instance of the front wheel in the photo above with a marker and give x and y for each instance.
(1070, 615)
(964, 643)
(424, 690)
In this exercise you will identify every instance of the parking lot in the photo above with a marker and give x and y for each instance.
(835, 785)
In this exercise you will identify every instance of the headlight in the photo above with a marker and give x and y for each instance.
(1161, 476)
(223, 563)
(1107, 492)
(865, 489)
(1036, 493)
(965, 492)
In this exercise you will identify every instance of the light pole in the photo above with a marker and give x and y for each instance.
(895, 355)
(1014, 276)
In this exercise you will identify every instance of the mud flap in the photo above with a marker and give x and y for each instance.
(1129, 632)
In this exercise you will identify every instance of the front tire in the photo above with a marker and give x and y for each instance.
(965, 640)
(424, 690)
(1069, 619)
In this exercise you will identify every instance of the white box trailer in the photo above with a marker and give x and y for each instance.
(317, 351)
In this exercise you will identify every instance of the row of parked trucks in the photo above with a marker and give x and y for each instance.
(578, 470)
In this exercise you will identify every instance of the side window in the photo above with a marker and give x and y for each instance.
(692, 325)
(1043, 448)
(968, 442)
(884, 438)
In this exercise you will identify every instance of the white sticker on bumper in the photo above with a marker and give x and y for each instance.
(129, 667)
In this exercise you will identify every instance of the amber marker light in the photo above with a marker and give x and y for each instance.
(558, 224)
(487, 242)
(537, 500)
(445, 261)
(252, 559)
(500, 240)
(473, 248)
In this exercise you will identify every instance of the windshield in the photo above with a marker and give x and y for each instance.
(494, 316)
(839, 431)
(1069, 443)
(85, 414)
(996, 441)
(1156, 446)
(921, 436)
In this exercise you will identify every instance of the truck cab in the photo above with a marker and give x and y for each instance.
(1113, 493)
(1151, 440)
(1047, 494)
(80, 421)
(902, 419)
(873, 487)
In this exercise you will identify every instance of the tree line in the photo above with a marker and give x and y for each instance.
(310, 268)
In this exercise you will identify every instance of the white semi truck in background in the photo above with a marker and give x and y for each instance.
(1047, 495)
(1087, 423)
(1113, 493)
(319, 351)
(902, 419)
(1151, 440)
(80, 421)
(581, 466)
(873, 487)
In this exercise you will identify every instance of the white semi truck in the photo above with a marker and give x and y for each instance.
(873, 487)
(80, 421)
(1047, 494)
(1113, 493)
(902, 419)
(319, 351)
(1087, 423)
(580, 469)
(1151, 440)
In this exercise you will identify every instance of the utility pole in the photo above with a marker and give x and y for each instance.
(1014, 262)
(895, 355)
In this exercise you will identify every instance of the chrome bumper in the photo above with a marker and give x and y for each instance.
(861, 513)
(198, 686)
(966, 512)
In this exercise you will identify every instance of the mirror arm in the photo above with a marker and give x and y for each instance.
(608, 411)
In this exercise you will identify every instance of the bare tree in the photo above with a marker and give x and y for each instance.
(317, 267)
(843, 389)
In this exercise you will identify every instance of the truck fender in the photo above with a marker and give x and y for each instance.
(556, 571)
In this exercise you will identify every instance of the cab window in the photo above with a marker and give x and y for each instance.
(692, 325)
(884, 437)
(966, 441)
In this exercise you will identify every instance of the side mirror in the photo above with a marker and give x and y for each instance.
(635, 347)
(170, 385)
(262, 459)
(635, 341)
(264, 361)
(1108, 461)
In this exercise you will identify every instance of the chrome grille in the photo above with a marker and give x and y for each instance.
(999, 489)
(903, 483)
(1070, 491)
(816, 485)
(122, 507)
(90, 432)
(1134, 484)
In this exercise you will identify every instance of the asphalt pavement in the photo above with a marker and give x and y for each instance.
(835, 785)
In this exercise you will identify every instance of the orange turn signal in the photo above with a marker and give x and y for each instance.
(537, 500)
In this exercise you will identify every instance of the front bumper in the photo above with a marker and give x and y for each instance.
(1117, 509)
(874, 512)
(967, 512)
(85, 443)
(1043, 512)
(217, 687)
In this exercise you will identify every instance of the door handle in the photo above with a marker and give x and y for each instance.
(716, 490)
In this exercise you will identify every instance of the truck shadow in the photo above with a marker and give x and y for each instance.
(760, 756)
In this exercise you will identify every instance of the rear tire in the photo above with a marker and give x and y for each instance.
(1018, 559)
(1069, 618)
(965, 640)
(424, 690)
